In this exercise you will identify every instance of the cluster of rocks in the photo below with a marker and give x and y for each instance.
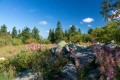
(85, 55)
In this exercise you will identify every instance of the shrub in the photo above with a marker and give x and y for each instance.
(2, 42)
(5, 40)
(17, 42)
(44, 41)
(85, 38)
(49, 69)
(31, 40)
(109, 63)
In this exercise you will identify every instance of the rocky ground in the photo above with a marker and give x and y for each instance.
(85, 55)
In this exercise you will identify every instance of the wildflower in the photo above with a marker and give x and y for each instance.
(40, 43)
(2, 58)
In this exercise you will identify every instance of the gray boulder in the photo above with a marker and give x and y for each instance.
(28, 75)
(93, 74)
(69, 72)
(86, 59)
(58, 48)
(111, 46)
(74, 47)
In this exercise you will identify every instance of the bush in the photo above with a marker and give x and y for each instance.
(31, 40)
(23, 61)
(2, 42)
(86, 38)
(5, 40)
(50, 68)
(17, 42)
(45, 41)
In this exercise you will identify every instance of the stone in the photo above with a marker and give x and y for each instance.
(113, 41)
(58, 48)
(111, 46)
(74, 47)
(28, 75)
(69, 72)
(86, 59)
(93, 74)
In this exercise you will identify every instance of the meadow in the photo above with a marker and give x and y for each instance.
(20, 58)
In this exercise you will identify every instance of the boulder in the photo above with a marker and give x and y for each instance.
(69, 72)
(86, 59)
(111, 46)
(93, 74)
(58, 48)
(28, 75)
(113, 41)
(74, 47)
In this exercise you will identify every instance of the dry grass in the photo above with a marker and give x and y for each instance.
(13, 50)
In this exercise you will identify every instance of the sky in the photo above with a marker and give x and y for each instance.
(44, 14)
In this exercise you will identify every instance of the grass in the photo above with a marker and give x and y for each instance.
(21, 58)
(9, 50)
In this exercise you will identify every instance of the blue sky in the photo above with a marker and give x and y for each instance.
(44, 14)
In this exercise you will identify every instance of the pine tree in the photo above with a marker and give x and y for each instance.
(14, 33)
(25, 34)
(90, 31)
(58, 32)
(35, 33)
(73, 30)
(79, 31)
(69, 34)
(66, 33)
(19, 33)
(50, 34)
(3, 29)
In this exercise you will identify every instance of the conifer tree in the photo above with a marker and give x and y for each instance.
(3, 29)
(90, 31)
(35, 33)
(66, 33)
(25, 34)
(79, 31)
(50, 34)
(73, 30)
(14, 33)
(58, 32)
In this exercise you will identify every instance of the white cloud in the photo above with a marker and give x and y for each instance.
(50, 17)
(89, 25)
(47, 31)
(43, 22)
(81, 22)
(88, 20)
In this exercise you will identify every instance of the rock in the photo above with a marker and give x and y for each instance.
(28, 75)
(86, 59)
(74, 47)
(111, 46)
(93, 74)
(69, 72)
(58, 48)
(113, 41)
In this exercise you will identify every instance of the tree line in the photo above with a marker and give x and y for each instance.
(17, 36)
(111, 31)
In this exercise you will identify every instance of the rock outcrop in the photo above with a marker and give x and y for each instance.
(86, 58)
(28, 75)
